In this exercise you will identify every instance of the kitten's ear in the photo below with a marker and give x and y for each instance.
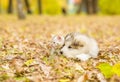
(59, 37)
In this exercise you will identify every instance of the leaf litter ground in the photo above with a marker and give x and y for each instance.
(25, 49)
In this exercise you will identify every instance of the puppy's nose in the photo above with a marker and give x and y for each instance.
(61, 52)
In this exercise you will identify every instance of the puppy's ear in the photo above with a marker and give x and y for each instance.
(69, 37)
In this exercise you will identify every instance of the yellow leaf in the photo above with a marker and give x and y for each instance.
(64, 80)
(116, 69)
(28, 62)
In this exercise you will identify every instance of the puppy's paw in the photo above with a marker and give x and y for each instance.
(83, 57)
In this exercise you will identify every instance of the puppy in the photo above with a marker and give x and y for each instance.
(79, 46)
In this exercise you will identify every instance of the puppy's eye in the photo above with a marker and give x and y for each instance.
(69, 47)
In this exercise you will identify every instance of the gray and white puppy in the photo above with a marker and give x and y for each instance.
(79, 46)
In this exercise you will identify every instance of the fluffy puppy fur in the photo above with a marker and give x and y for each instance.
(79, 46)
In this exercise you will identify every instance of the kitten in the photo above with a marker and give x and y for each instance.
(57, 43)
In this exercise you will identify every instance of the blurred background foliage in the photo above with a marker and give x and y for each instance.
(51, 6)
(55, 6)
(109, 6)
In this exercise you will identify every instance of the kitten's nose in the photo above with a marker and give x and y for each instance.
(61, 52)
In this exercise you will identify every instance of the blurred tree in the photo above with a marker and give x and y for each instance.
(39, 6)
(28, 7)
(91, 6)
(21, 14)
(95, 6)
(10, 7)
(64, 11)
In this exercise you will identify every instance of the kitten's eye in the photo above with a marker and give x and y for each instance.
(69, 47)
